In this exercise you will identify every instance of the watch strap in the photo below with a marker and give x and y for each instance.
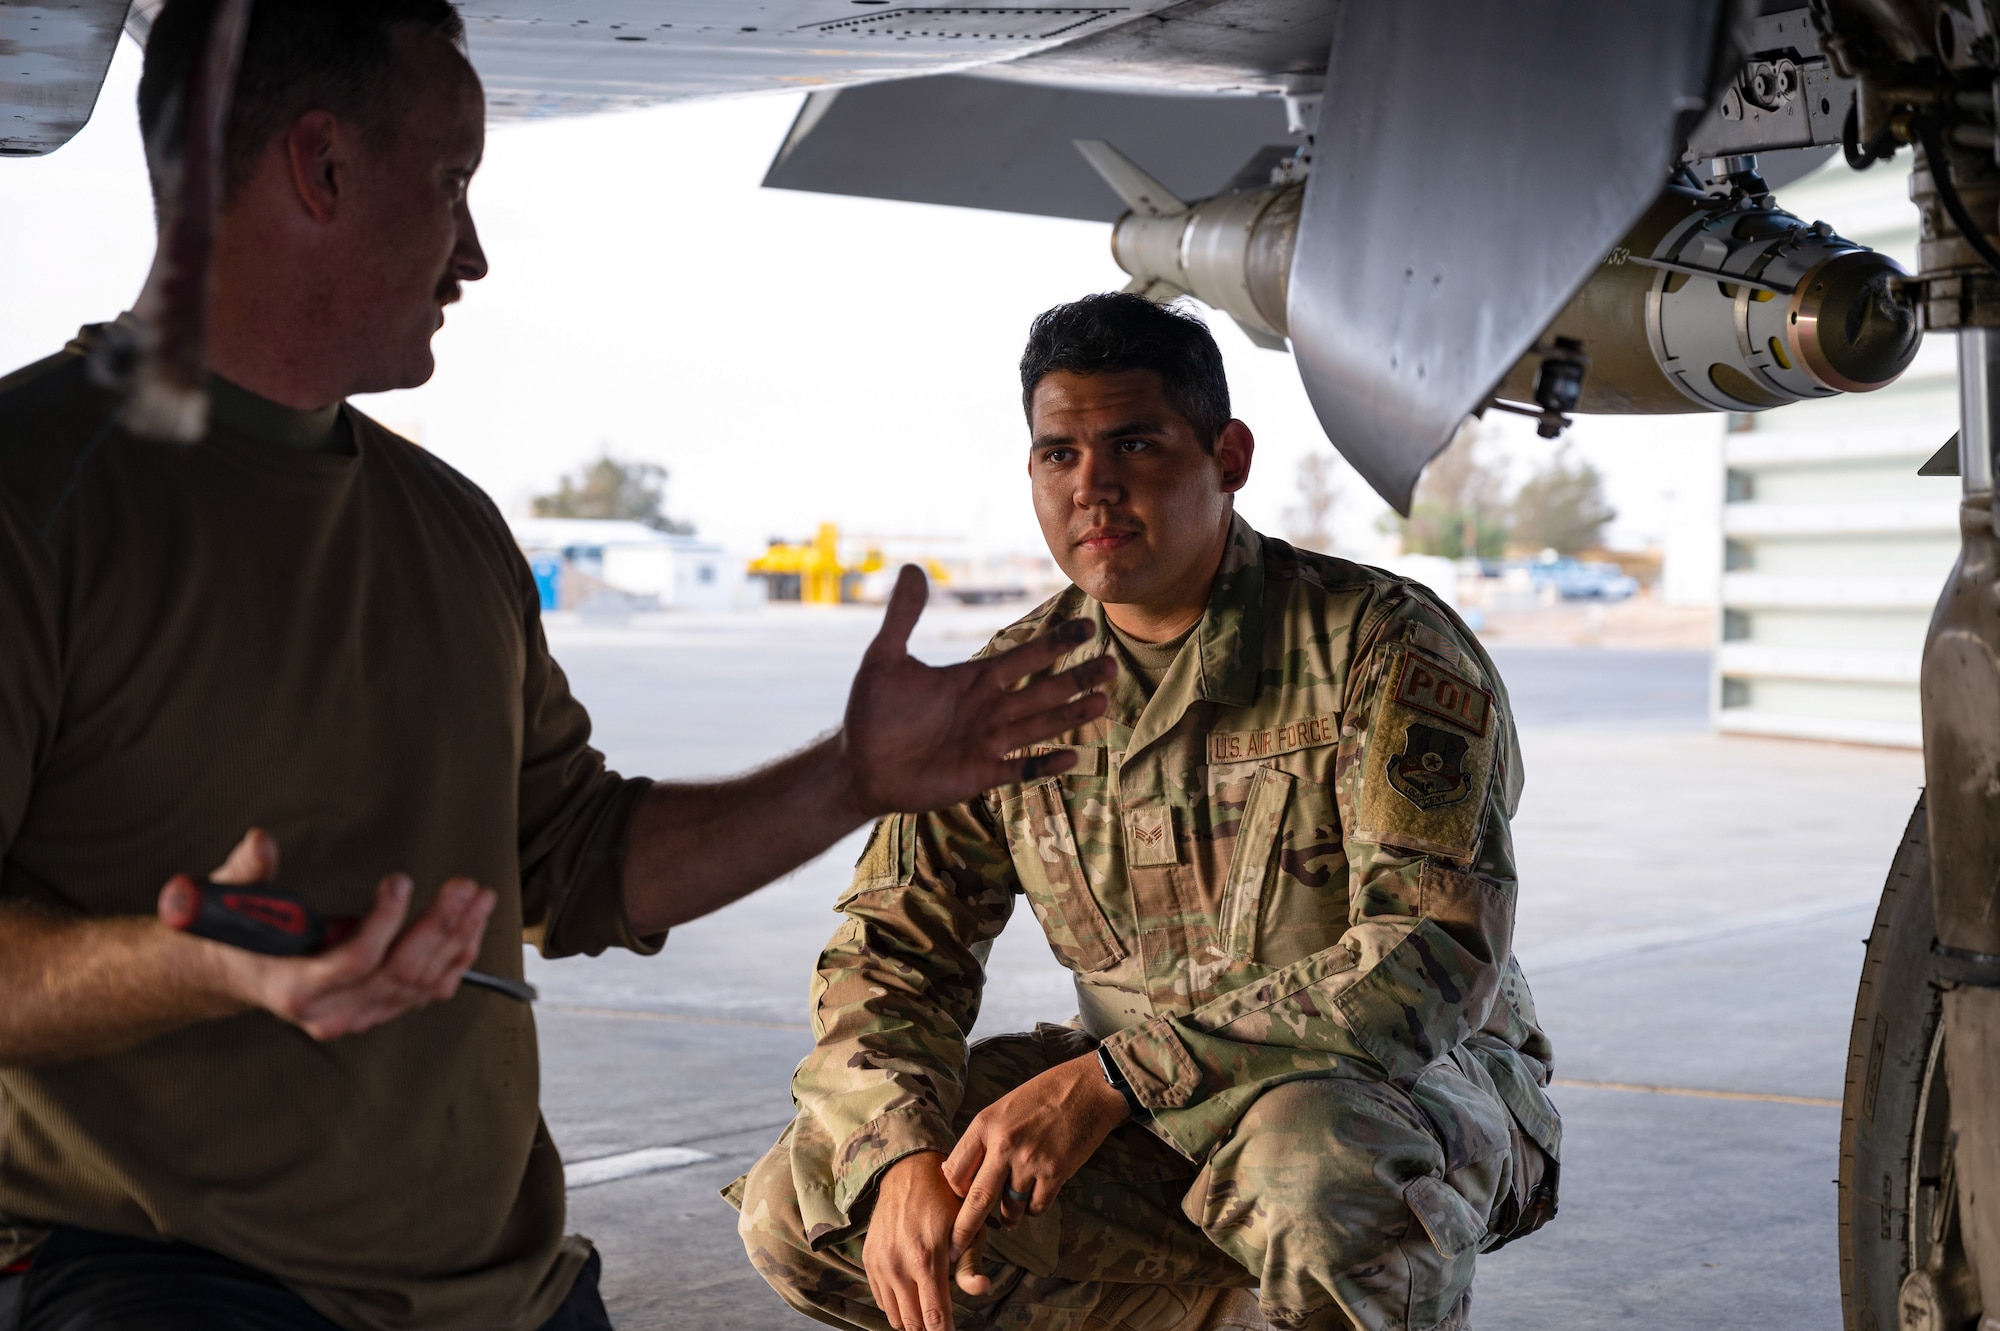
(1115, 1077)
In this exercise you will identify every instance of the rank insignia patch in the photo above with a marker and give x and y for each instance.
(1430, 771)
(1149, 837)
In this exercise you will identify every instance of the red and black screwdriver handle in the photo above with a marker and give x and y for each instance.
(262, 918)
(256, 918)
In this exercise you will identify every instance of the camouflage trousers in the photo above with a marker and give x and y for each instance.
(1346, 1204)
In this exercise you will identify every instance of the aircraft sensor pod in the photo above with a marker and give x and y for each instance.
(1713, 301)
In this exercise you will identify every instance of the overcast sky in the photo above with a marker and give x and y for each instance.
(790, 358)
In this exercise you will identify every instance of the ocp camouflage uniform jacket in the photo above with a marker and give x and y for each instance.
(1292, 861)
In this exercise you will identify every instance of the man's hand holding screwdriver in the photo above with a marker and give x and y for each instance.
(82, 987)
(368, 978)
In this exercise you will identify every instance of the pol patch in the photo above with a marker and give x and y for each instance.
(1430, 771)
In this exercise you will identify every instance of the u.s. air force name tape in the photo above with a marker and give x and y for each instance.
(1244, 745)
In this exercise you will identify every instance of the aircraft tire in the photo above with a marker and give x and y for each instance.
(1894, 1107)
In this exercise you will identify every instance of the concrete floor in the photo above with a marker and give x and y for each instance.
(1691, 914)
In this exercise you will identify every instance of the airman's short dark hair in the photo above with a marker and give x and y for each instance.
(1116, 331)
(298, 56)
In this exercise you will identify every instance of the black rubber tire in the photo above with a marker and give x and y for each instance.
(1888, 1057)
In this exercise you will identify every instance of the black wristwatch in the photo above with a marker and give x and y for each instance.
(1118, 1083)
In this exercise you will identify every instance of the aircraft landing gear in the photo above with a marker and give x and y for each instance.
(1902, 1264)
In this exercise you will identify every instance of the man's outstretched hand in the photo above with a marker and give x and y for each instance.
(915, 738)
(919, 737)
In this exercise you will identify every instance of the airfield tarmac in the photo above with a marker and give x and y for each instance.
(1691, 914)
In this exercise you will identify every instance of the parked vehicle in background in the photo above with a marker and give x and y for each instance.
(1574, 579)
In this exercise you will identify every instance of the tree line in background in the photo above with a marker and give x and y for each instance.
(613, 488)
(1462, 507)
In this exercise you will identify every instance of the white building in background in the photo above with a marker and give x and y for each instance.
(1433, 571)
(1691, 552)
(680, 572)
(643, 567)
(1832, 549)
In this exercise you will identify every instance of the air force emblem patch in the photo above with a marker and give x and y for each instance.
(1430, 771)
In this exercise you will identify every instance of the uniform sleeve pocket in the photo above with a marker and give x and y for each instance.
(888, 860)
(1258, 839)
(1454, 1227)
(1043, 846)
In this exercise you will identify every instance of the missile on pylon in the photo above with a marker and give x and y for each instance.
(1232, 252)
(1717, 300)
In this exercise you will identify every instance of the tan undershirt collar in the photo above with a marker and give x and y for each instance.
(1151, 659)
(243, 412)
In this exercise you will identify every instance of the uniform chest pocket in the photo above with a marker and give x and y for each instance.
(1043, 846)
(1259, 839)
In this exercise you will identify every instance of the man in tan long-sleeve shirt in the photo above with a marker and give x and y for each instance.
(304, 625)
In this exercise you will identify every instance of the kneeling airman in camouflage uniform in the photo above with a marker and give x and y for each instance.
(1306, 1061)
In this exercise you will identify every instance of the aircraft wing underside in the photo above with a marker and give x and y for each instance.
(1480, 157)
(53, 58)
(543, 59)
(979, 142)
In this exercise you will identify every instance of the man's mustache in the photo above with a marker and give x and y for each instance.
(1100, 529)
